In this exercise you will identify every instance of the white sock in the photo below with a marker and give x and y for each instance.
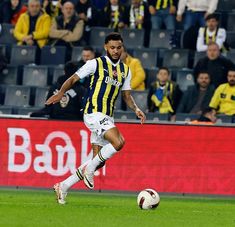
(73, 179)
(105, 153)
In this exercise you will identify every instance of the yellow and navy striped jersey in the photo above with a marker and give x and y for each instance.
(162, 4)
(105, 84)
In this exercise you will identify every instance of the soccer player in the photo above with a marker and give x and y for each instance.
(109, 75)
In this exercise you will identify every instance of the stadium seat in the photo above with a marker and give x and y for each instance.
(230, 22)
(186, 117)
(133, 38)
(6, 35)
(231, 39)
(157, 117)
(147, 57)
(231, 55)
(176, 58)
(23, 55)
(123, 115)
(226, 5)
(184, 78)
(53, 55)
(3, 49)
(198, 56)
(17, 96)
(140, 98)
(35, 75)
(160, 39)
(151, 76)
(57, 72)
(221, 118)
(9, 75)
(97, 36)
(40, 96)
(77, 53)
(5, 110)
(26, 110)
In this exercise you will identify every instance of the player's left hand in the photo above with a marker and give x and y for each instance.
(140, 115)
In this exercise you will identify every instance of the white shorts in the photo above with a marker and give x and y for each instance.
(98, 123)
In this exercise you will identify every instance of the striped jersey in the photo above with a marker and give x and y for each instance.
(107, 79)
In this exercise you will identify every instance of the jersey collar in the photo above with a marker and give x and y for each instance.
(114, 64)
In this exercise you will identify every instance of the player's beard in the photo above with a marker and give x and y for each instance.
(110, 57)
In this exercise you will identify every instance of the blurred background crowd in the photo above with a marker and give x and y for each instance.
(181, 54)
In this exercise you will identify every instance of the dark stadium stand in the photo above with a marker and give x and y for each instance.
(16, 95)
(9, 75)
(134, 38)
(148, 57)
(6, 36)
(29, 81)
(23, 55)
(35, 75)
(53, 55)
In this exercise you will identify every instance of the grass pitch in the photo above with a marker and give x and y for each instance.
(33, 208)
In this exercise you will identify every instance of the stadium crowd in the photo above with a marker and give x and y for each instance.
(176, 51)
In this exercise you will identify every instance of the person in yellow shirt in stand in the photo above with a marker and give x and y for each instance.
(137, 71)
(223, 100)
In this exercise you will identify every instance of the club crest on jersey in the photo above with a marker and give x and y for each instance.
(109, 80)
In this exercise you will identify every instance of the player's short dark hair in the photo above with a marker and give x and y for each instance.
(164, 68)
(212, 16)
(113, 36)
(89, 48)
(232, 68)
(71, 67)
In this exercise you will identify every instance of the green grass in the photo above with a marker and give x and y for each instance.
(38, 208)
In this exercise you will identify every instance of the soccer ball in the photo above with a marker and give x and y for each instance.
(148, 199)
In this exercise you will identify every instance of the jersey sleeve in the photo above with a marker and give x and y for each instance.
(87, 69)
(127, 83)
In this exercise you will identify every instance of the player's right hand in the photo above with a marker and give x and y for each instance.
(54, 98)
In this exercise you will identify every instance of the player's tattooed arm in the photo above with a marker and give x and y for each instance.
(132, 105)
(66, 86)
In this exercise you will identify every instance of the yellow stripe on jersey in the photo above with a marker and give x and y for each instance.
(90, 87)
(108, 89)
(98, 85)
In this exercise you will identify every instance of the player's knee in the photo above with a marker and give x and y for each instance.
(118, 145)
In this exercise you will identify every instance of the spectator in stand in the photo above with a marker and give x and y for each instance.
(163, 13)
(164, 95)
(211, 33)
(137, 16)
(88, 53)
(208, 117)
(71, 105)
(137, 71)
(197, 97)
(48, 7)
(215, 64)
(223, 100)
(67, 29)
(11, 10)
(196, 11)
(113, 15)
(32, 28)
(89, 15)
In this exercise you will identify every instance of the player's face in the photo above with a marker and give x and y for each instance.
(114, 2)
(203, 80)
(163, 76)
(87, 55)
(34, 8)
(212, 24)
(135, 3)
(114, 49)
(213, 52)
(231, 78)
(68, 9)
